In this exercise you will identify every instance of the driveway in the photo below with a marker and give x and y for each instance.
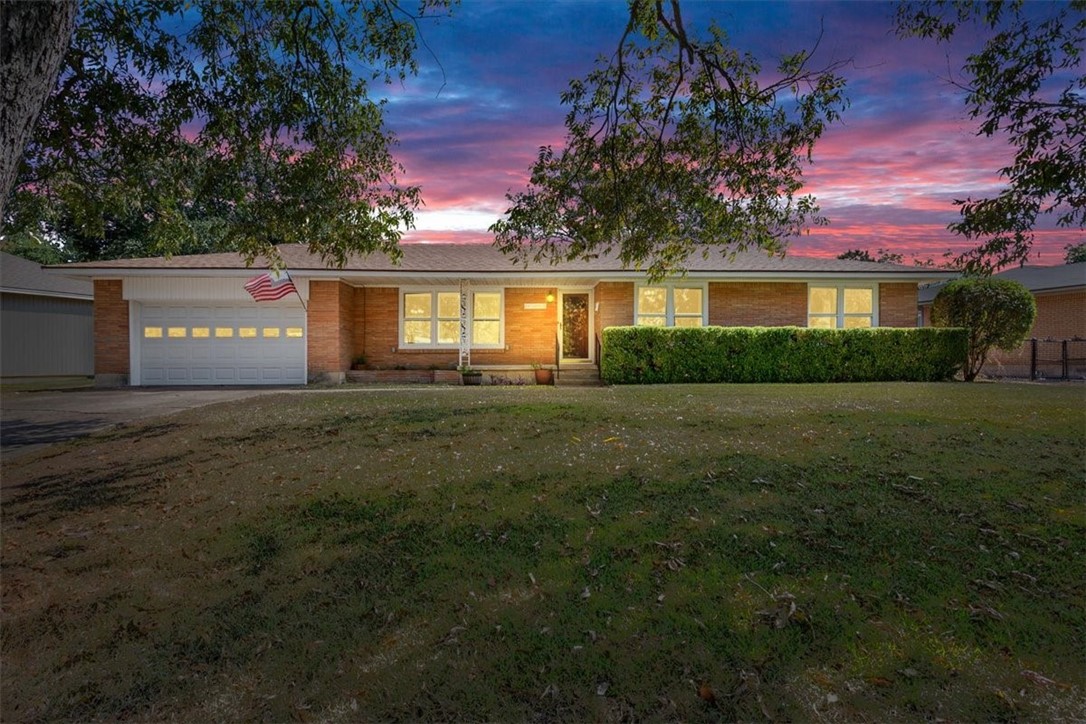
(29, 420)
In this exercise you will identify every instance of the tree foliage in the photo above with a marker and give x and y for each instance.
(1074, 253)
(674, 143)
(1026, 84)
(998, 313)
(239, 124)
(884, 256)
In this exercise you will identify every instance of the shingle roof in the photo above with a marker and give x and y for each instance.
(484, 258)
(1034, 278)
(21, 276)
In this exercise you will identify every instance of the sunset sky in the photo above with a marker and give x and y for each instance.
(885, 177)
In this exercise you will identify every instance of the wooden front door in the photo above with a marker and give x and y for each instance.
(575, 326)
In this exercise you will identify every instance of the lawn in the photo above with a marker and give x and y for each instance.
(819, 552)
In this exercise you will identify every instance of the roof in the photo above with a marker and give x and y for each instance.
(22, 276)
(1037, 279)
(487, 260)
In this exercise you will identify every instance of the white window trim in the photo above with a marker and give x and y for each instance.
(434, 291)
(841, 287)
(669, 309)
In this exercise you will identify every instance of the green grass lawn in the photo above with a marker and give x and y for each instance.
(820, 552)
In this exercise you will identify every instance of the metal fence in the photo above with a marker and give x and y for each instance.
(1040, 359)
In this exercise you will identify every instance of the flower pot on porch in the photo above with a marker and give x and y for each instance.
(472, 378)
(544, 376)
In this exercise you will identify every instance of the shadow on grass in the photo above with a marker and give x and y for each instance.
(52, 495)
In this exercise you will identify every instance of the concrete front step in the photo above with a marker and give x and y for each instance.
(578, 378)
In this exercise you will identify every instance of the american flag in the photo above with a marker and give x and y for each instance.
(270, 286)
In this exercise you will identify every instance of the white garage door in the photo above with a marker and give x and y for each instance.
(236, 345)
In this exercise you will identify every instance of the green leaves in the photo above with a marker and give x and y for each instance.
(207, 126)
(1026, 83)
(675, 144)
(997, 312)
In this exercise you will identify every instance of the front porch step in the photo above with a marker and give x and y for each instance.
(578, 377)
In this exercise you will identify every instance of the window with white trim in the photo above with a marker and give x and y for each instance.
(670, 306)
(841, 306)
(431, 318)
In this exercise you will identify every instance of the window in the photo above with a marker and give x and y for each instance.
(224, 331)
(486, 319)
(152, 332)
(247, 332)
(432, 319)
(175, 332)
(840, 307)
(201, 332)
(671, 306)
(271, 332)
(294, 331)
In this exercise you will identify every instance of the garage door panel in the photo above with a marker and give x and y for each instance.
(221, 345)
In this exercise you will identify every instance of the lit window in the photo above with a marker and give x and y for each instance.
(671, 306)
(486, 316)
(432, 319)
(201, 332)
(840, 307)
(224, 331)
(294, 331)
(247, 332)
(271, 332)
(152, 332)
(176, 332)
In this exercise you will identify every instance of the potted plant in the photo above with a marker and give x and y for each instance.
(543, 375)
(471, 376)
(359, 362)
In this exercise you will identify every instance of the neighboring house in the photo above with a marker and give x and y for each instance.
(188, 319)
(46, 322)
(1060, 292)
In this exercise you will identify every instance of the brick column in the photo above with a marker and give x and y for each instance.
(897, 304)
(331, 333)
(111, 341)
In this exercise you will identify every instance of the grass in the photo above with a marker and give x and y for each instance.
(845, 552)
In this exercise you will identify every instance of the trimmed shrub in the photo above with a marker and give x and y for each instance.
(997, 312)
(647, 355)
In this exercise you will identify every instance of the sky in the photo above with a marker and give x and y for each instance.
(487, 97)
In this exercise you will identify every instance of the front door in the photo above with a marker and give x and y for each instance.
(575, 326)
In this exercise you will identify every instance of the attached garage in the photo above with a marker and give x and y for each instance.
(220, 345)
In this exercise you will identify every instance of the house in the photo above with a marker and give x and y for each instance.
(46, 322)
(189, 320)
(1060, 293)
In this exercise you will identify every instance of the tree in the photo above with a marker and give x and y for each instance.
(28, 71)
(1074, 253)
(1024, 84)
(255, 115)
(675, 144)
(884, 256)
(997, 312)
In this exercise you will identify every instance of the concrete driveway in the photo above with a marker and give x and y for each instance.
(29, 420)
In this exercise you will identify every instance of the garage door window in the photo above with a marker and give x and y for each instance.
(224, 332)
(201, 332)
(247, 332)
(294, 331)
(271, 332)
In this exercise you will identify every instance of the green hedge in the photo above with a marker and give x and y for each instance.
(647, 355)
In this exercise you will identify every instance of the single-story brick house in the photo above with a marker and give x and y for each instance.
(189, 320)
(1060, 293)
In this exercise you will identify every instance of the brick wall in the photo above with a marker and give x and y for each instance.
(757, 304)
(616, 305)
(1060, 315)
(111, 353)
(897, 305)
(529, 333)
(331, 327)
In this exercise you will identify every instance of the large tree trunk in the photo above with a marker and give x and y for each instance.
(34, 36)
